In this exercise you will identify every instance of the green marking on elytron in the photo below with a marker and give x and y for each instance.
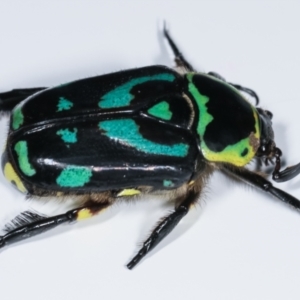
(231, 153)
(161, 110)
(74, 176)
(17, 117)
(127, 132)
(22, 152)
(67, 135)
(168, 183)
(121, 96)
(64, 104)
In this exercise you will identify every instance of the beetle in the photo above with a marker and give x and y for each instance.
(151, 130)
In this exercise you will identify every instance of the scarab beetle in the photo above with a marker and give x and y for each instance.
(151, 130)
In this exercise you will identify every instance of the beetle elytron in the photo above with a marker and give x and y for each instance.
(150, 130)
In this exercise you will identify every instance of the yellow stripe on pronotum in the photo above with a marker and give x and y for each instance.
(11, 175)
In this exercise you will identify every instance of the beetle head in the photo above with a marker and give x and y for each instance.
(267, 150)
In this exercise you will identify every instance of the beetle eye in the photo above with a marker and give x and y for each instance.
(269, 114)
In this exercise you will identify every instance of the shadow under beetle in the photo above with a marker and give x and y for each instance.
(150, 130)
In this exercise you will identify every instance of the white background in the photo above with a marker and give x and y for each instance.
(238, 243)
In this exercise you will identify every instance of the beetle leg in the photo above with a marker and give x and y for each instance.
(262, 183)
(287, 174)
(246, 90)
(237, 86)
(45, 224)
(179, 58)
(217, 75)
(165, 226)
(181, 62)
(9, 100)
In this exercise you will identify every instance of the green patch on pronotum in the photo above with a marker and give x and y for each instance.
(161, 110)
(74, 176)
(128, 133)
(17, 118)
(204, 117)
(23, 160)
(67, 135)
(64, 104)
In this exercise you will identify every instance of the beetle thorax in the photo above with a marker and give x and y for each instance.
(228, 125)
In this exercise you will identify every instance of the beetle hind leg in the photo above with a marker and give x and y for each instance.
(165, 226)
(9, 100)
(27, 225)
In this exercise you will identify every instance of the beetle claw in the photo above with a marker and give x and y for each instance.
(287, 174)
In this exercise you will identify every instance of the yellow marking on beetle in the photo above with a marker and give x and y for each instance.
(86, 213)
(128, 192)
(11, 175)
(191, 182)
(232, 153)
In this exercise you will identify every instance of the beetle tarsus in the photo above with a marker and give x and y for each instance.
(287, 174)
(164, 227)
(137, 258)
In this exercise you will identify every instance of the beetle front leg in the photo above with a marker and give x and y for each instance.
(9, 100)
(181, 62)
(45, 224)
(237, 86)
(262, 183)
(165, 227)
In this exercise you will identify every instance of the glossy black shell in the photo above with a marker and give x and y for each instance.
(104, 127)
